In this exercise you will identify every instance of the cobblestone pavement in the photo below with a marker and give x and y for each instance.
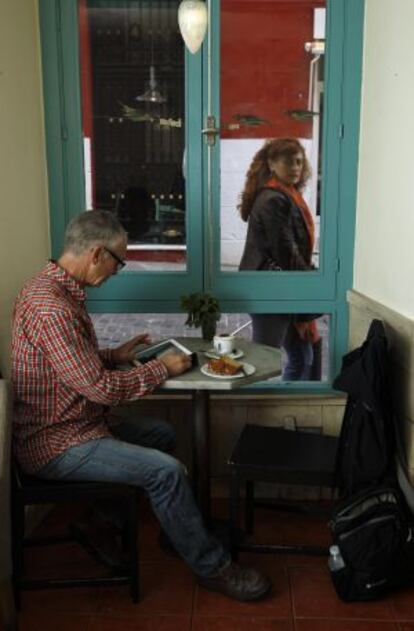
(114, 328)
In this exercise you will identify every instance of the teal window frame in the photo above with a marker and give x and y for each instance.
(148, 292)
(286, 285)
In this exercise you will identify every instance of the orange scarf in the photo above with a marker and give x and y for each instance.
(294, 194)
(307, 331)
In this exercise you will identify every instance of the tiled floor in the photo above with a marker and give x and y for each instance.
(303, 597)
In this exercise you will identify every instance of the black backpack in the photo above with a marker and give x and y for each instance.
(373, 536)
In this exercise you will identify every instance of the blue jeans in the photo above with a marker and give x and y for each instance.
(278, 330)
(300, 356)
(136, 456)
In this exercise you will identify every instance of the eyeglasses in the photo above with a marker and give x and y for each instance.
(120, 263)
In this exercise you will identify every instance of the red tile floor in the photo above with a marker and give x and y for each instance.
(303, 598)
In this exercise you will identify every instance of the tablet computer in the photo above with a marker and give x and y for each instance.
(155, 351)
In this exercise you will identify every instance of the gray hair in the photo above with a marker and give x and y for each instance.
(92, 227)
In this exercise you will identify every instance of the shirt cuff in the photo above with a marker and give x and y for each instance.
(106, 355)
(158, 369)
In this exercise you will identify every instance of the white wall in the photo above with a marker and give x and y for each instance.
(384, 247)
(24, 240)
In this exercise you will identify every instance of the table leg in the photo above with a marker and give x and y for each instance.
(201, 451)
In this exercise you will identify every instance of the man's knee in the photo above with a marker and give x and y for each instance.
(171, 472)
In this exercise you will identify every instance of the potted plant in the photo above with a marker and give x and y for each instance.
(203, 310)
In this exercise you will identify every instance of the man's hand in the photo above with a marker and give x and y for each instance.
(176, 363)
(126, 352)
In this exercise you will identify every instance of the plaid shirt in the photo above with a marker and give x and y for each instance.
(62, 382)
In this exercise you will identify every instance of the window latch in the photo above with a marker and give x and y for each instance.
(210, 131)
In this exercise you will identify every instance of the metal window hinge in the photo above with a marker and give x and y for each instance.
(64, 132)
(337, 265)
(341, 130)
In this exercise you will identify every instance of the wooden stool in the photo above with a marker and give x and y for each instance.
(273, 454)
(29, 490)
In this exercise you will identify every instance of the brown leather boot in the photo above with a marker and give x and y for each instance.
(238, 582)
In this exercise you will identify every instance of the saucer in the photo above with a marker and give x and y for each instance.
(248, 369)
(235, 354)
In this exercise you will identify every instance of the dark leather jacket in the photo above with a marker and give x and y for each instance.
(277, 237)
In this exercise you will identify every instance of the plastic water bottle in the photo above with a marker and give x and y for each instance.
(335, 561)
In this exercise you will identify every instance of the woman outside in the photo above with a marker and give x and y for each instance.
(281, 237)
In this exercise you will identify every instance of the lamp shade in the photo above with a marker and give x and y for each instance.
(192, 20)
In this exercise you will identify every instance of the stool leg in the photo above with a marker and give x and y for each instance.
(125, 541)
(8, 618)
(249, 507)
(18, 528)
(234, 513)
(133, 547)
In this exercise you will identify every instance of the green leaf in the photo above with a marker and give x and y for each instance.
(199, 308)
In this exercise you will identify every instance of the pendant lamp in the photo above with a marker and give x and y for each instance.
(152, 93)
(192, 20)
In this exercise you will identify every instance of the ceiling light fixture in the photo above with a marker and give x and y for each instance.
(152, 93)
(192, 20)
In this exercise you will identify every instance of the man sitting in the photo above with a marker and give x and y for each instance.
(64, 386)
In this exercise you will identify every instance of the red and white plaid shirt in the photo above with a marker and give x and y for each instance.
(62, 381)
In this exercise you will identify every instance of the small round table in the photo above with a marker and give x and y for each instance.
(267, 362)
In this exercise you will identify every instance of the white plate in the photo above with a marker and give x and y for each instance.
(249, 369)
(235, 354)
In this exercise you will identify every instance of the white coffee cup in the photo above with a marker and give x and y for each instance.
(224, 343)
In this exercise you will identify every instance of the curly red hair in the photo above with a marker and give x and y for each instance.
(259, 173)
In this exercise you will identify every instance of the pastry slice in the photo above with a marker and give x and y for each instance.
(225, 366)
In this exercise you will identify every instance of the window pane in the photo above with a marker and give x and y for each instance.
(271, 64)
(283, 331)
(132, 63)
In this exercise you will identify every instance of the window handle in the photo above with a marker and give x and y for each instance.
(210, 131)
